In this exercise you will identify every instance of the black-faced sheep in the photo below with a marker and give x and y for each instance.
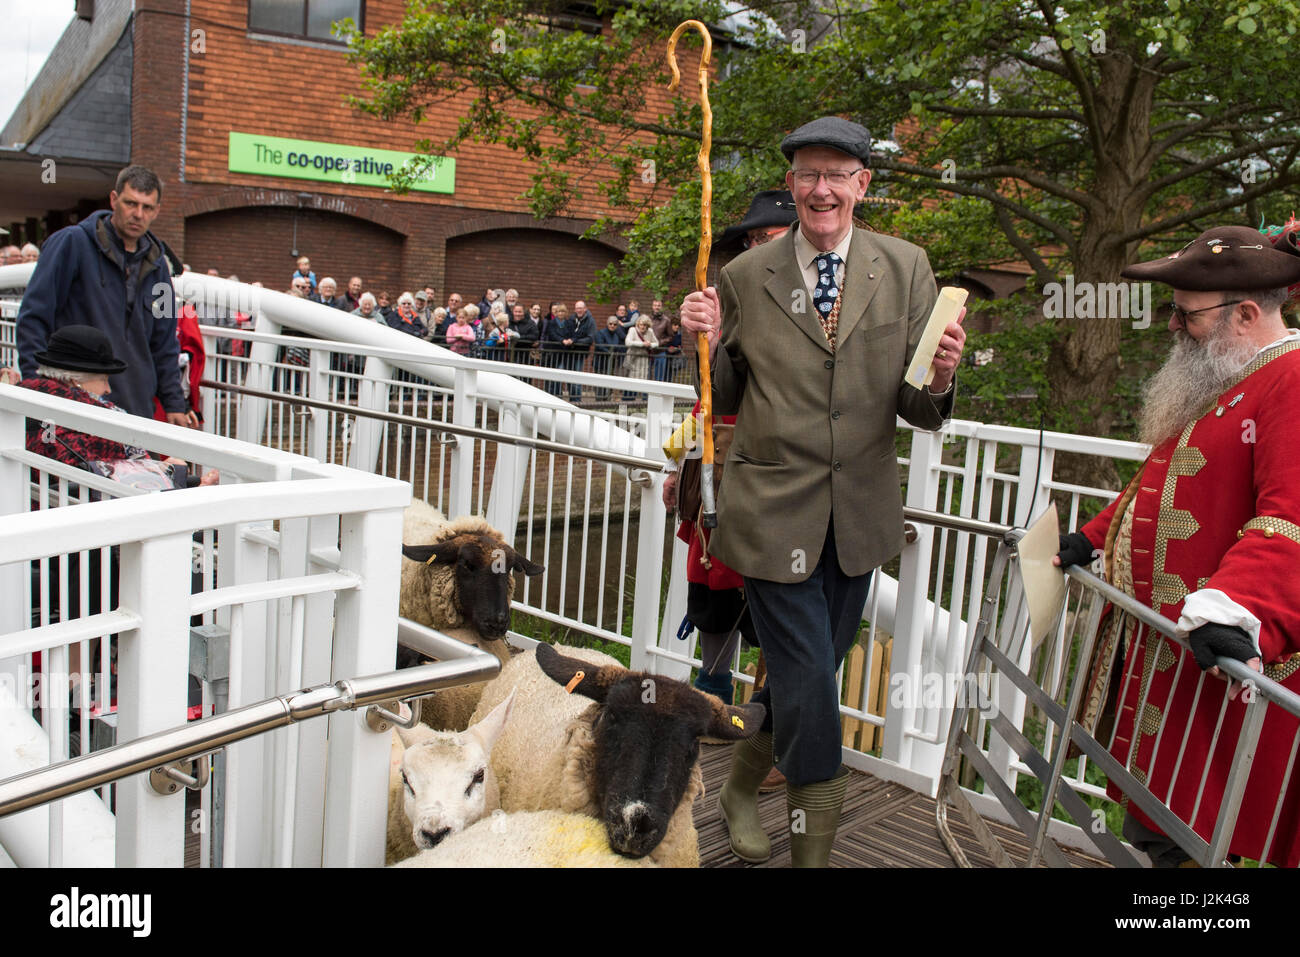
(619, 746)
(458, 578)
(527, 839)
(441, 782)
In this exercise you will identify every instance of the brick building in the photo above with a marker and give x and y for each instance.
(193, 89)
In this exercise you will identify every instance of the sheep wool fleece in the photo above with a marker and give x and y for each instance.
(527, 839)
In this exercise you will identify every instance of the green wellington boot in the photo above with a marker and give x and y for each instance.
(814, 816)
(750, 761)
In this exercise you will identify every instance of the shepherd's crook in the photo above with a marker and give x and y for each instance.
(709, 516)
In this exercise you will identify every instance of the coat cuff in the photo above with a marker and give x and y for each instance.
(1211, 606)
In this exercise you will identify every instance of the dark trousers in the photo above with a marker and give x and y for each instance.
(806, 628)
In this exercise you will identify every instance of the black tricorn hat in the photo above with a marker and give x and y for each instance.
(771, 207)
(831, 131)
(80, 349)
(1223, 259)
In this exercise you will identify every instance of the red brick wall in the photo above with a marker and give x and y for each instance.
(542, 265)
(285, 89)
(242, 223)
(256, 244)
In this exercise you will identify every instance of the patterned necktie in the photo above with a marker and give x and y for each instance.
(827, 294)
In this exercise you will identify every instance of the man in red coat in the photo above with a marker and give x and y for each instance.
(1208, 535)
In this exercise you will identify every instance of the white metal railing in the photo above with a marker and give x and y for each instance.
(293, 562)
(600, 528)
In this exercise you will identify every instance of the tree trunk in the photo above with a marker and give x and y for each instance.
(1083, 367)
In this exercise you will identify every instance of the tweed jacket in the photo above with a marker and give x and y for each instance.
(815, 428)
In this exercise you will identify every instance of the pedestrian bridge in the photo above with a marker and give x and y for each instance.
(285, 578)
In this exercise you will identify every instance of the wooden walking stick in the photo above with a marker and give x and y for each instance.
(709, 514)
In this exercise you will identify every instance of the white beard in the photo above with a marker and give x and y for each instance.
(1191, 378)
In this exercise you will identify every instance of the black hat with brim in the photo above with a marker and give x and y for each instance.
(1223, 259)
(832, 132)
(771, 207)
(80, 349)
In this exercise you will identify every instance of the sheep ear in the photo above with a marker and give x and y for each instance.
(521, 564)
(732, 724)
(443, 552)
(489, 729)
(417, 735)
(595, 682)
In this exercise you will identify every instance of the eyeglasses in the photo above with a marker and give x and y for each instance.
(1181, 314)
(834, 177)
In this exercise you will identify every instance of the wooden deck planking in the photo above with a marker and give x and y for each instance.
(883, 825)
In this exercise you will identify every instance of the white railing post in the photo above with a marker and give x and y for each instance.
(508, 475)
(1027, 494)
(911, 621)
(246, 818)
(318, 388)
(14, 589)
(208, 395)
(675, 610)
(153, 691)
(365, 643)
(253, 410)
(368, 433)
(650, 546)
(464, 407)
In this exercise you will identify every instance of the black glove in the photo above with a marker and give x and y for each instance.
(1212, 640)
(1076, 549)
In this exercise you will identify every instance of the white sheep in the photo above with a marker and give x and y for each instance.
(457, 578)
(622, 747)
(441, 782)
(527, 839)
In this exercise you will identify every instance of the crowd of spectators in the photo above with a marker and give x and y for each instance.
(502, 327)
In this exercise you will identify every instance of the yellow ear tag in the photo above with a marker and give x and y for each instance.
(431, 559)
(735, 719)
(575, 681)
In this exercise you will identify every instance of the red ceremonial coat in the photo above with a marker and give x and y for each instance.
(1218, 507)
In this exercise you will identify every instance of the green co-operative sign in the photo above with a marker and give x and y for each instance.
(332, 162)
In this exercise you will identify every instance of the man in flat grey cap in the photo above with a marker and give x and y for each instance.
(816, 329)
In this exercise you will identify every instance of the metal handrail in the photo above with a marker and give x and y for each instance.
(209, 734)
(1061, 714)
(470, 431)
(1236, 670)
(957, 523)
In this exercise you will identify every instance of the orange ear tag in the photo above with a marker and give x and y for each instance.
(735, 719)
(575, 681)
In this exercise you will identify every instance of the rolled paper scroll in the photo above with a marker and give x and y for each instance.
(946, 309)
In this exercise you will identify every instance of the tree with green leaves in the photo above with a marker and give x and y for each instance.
(1074, 135)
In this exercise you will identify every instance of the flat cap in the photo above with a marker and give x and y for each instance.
(1223, 259)
(833, 132)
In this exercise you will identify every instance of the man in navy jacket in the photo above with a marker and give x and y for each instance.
(110, 272)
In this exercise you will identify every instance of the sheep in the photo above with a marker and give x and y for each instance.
(628, 757)
(527, 839)
(440, 782)
(456, 579)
